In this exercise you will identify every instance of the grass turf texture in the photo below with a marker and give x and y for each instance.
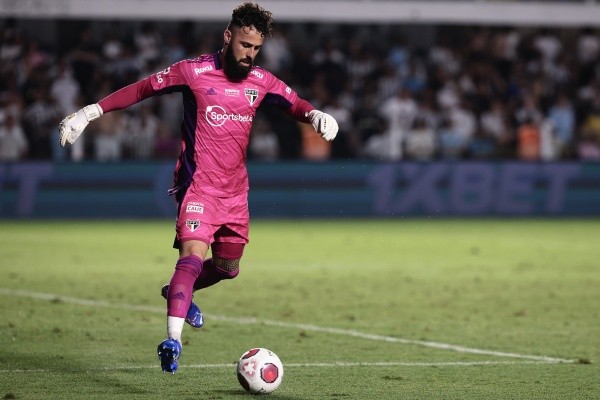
(526, 287)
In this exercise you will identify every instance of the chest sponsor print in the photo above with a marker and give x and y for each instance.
(217, 116)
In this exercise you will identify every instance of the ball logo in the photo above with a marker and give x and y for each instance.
(217, 116)
(269, 372)
(250, 368)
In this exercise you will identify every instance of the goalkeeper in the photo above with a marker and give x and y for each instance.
(221, 93)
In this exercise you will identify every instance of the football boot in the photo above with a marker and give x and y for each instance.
(169, 351)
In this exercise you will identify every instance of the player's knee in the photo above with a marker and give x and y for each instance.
(191, 264)
(229, 269)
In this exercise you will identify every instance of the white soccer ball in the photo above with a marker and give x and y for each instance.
(259, 371)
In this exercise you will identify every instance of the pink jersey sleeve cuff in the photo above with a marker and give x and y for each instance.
(300, 110)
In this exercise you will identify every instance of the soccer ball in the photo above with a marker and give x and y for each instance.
(259, 371)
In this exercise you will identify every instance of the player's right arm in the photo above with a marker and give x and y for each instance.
(166, 81)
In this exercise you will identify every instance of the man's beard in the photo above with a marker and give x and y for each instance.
(232, 67)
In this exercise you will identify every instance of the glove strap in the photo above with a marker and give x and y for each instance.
(92, 112)
(312, 115)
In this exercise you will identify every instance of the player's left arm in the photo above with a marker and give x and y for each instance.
(287, 99)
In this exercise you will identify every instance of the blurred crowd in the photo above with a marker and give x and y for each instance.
(456, 93)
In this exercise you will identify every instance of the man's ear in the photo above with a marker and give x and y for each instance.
(227, 36)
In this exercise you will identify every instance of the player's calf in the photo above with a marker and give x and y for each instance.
(194, 315)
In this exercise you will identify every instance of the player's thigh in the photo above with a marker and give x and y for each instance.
(236, 228)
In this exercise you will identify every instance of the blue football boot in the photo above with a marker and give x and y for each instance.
(169, 351)
(194, 316)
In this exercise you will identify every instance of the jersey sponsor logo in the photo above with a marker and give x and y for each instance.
(211, 92)
(159, 76)
(288, 90)
(193, 207)
(232, 92)
(259, 75)
(192, 224)
(251, 95)
(202, 70)
(217, 116)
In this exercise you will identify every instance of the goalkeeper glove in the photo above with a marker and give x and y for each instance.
(72, 126)
(324, 124)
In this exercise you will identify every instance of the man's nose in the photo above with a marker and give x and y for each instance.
(251, 53)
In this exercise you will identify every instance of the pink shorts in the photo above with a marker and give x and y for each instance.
(212, 219)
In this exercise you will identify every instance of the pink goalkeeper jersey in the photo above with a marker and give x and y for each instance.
(217, 118)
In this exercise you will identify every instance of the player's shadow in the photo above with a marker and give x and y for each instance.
(242, 394)
(70, 372)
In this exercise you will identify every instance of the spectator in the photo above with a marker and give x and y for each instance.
(385, 146)
(366, 121)
(112, 48)
(588, 147)
(482, 147)
(173, 49)
(147, 42)
(40, 119)
(399, 111)
(276, 52)
(264, 145)
(143, 129)
(109, 132)
(330, 62)
(562, 117)
(591, 124)
(548, 142)
(528, 112)
(313, 150)
(167, 145)
(84, 60)
(13, 143)
(452, 144)
(11, 47)
(346, 144)
(388, 83)
(463, 121)
(361, 63)
(529, 138)
(547, 44)
(66, 92)
(398, 55)
(420, 143)
(588, 46)
(494, 121)
(427, 111)
(415, 80)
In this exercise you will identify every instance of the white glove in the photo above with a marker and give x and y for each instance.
(72, 126)
(324, 124)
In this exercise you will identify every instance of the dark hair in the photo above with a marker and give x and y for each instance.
(251, 14)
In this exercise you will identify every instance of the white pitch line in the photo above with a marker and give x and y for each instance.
(306, 327)
(340, 364)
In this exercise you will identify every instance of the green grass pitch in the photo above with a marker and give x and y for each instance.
(356, 309)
